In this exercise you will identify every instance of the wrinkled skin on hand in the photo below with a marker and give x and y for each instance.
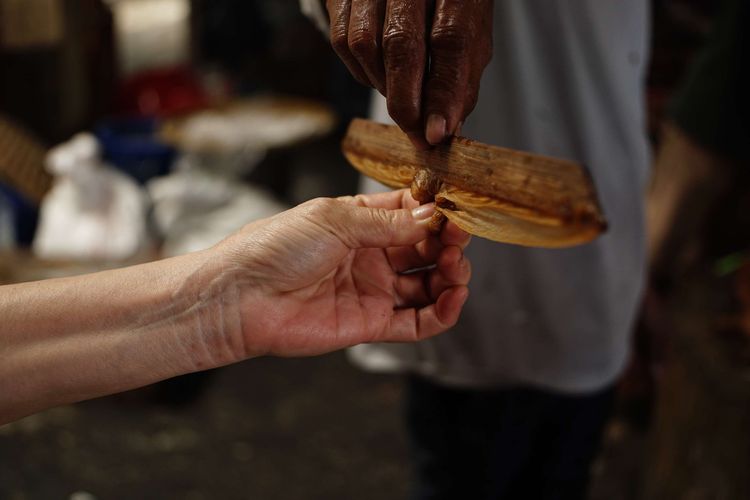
(425, 57)
(331, 274)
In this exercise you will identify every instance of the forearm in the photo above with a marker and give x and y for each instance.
(308, 281)
(78, 338)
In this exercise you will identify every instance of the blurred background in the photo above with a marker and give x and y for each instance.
(189, 118)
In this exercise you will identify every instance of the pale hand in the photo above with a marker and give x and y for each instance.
(330, 274)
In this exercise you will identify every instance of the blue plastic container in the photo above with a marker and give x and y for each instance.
(22, 213)
(131, 144)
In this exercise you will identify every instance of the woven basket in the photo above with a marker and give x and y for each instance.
(22, 161)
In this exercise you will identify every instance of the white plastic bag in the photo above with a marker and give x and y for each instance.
(93, 212)
(195, 209)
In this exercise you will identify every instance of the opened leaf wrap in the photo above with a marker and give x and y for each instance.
(495, 193)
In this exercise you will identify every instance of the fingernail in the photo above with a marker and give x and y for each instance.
(423, 212)
(435, 129)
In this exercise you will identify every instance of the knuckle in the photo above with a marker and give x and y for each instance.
(359, 200)
(383, 219)
(341, 47)
(401, 46)
(451, 39)
(363, 45)
(321, 208)
(349, 200)
(339, 39)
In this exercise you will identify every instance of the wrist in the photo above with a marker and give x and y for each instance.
(205, 310)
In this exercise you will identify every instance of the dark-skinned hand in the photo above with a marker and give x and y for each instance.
(426, 57)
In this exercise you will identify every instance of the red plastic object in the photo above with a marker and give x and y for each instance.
(161, 93)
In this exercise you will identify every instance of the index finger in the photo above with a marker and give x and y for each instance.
(447, 82)
(450, 235)
(460, 49)
(405, 58)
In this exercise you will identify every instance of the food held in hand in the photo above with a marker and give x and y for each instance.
(495, 193)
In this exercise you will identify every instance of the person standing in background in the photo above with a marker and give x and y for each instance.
(512, 402)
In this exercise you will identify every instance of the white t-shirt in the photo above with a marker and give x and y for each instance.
(567, 79)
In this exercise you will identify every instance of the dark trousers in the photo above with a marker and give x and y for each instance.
(502, 444)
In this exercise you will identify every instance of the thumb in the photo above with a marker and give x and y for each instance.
(361, 227)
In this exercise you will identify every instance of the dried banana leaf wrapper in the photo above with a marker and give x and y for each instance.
(495, 193)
